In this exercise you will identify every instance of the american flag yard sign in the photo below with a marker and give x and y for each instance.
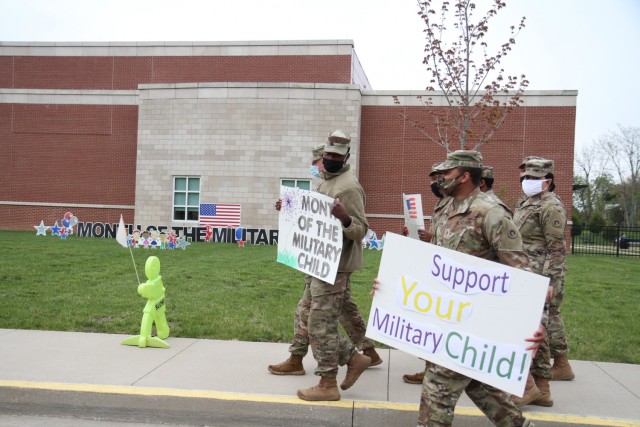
(219, 214)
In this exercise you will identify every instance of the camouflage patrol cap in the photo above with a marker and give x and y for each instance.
(433, 169)
(461, 158)
(487, 172)
(316, 152)
(537, 167)
(338, 142)
(526, 159)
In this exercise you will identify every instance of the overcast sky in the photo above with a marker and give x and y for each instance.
(585, 45)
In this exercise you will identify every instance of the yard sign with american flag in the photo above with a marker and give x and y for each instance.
(219, 214)
(413, 218)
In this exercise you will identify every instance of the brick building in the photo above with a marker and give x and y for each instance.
(148, 130)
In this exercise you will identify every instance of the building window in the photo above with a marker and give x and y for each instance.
(305, 184)
(186, 198)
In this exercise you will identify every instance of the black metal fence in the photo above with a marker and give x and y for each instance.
(605, 241)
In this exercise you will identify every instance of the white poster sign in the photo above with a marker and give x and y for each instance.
(462, 312)
(309, 237)
(413, 217)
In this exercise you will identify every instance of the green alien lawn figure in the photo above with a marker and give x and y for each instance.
(154, 311)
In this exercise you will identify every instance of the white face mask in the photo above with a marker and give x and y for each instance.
(531, 187)
(314, 171)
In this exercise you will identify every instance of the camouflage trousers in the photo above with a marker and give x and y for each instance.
(350, 319)
(330, 348)
(556, 332)
(441, 389)
(541, 363)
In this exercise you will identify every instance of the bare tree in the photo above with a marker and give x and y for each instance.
(590, 168)
(622, 148)
(477, 93)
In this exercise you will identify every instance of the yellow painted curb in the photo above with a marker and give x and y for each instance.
(264, 398)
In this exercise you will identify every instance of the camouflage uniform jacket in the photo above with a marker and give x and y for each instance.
(479, 226)
(541, 220)
(499, 201)
(345, 185)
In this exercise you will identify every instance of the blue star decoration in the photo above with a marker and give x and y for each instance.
(41, 230)
(182, 243)
(55, 230)
(374, 243)
(63, 233)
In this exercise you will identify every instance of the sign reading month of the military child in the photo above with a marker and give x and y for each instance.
(456, 310)
(309, 237)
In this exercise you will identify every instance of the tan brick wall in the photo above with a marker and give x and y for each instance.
(240, 139)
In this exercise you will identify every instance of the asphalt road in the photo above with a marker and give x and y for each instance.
(31, 408)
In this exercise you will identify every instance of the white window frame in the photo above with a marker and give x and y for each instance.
(296, 181)
(187, 192)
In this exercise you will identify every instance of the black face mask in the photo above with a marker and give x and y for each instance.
(332, 166)
(436, 190)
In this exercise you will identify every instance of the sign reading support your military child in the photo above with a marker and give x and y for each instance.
(456, 310)
(310, 238)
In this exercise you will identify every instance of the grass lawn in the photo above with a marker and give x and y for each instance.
(221, 291)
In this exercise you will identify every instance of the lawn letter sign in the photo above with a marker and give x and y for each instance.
(309, 237)
(459, 311)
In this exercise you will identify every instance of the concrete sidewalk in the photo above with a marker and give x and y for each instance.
(601, 394)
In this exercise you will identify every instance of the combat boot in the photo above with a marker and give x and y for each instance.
(413, 378)
(543, 386)
(356, 365)
(373, 355)
(561, 370)
(291, 366)
(531, 393)
(327, 389)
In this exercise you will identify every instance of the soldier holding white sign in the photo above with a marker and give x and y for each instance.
(475, 224)
(329, 300)
(350, 318)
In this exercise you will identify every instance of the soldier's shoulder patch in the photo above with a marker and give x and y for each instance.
(556, 223)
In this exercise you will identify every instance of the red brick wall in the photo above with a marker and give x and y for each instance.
(396, 158)
(77, 154)
(126, 72)
(86, 154)
(18, 217)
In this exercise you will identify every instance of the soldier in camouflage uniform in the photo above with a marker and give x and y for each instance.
(473, 223)
(329, 301)
(426, 236)
(486, 186)
(541, 220)
(350, 319)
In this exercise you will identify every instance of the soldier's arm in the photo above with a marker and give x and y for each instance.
(505, 239)
(353, 202)
(508, 245)
(553, 221)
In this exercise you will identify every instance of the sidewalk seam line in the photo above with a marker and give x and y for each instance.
(133, 384)
(614, 379)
